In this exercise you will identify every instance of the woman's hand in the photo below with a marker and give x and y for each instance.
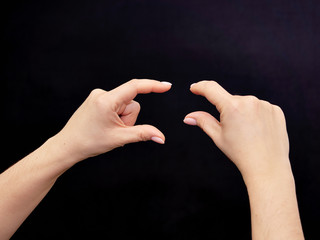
(251, 132)
(106, 120)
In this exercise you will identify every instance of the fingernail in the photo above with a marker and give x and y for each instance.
(166, 83)
(192, 85)
(157, 140)
(190, 121)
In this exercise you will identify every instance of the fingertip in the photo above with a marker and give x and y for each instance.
(193, 88)
(166, 83)
(154, 134)
(190, 121)
(157, 140)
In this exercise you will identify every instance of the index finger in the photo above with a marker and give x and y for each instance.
(129, 90)
(212, 91)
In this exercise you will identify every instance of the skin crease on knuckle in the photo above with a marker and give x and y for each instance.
(202, 124)
(142, 136)
(134, 82)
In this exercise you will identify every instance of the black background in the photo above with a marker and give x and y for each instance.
(55, 53)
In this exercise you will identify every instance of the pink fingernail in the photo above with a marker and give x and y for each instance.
(192, 85)
(157, 140)
(190, 121)
(166, 83)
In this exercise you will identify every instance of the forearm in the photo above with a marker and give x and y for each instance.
(274, 208)
(27, 182)
(253, 135)
(105, 120)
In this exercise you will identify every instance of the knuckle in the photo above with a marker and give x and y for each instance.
(278, 110)
(98, 100)
(133, 81)
(213, 82)
(235, 104)
(142, 136)
(252, 101)
(202, 123)
(96, 91)
(266, 104)
(235, 100)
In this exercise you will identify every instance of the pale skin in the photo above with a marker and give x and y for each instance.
(106, 120)
(252, 134)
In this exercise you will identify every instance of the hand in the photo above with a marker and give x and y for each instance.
(251, 132)
(103, 122)
(106, 120)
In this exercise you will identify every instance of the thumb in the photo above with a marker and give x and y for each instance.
(144, 132)
(209, 124)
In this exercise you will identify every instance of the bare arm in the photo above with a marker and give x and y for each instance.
(25, 184)
(104, 121)
(252, 133)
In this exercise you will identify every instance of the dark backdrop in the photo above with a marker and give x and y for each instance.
(55, 53)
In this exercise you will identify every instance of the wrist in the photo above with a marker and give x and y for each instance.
(278, 173)
(265, 187)
(273, 205)
(271, 182)
(65, 154)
